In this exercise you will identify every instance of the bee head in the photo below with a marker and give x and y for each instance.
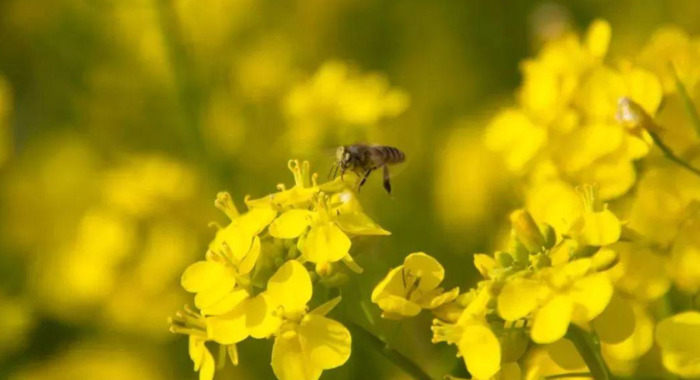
(343, 156)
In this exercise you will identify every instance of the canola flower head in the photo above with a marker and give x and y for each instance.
(412, 287)
(252, 282)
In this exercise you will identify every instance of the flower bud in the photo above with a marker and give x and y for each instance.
(550, 236)
(504, 259)
(527, 231)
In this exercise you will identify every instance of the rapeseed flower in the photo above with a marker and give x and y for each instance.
(556, 297)
(476, 343)
(306, 342)
(339, 104)
(677, 336)
(412, 287)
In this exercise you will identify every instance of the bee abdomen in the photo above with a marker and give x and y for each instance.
(392, 155)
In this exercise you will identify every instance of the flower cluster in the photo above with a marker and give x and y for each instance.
(254, 280)
(630, 129)
(601, 271)
(540, 285)
(338, 104)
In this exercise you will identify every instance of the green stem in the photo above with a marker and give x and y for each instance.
(569, 375)
(590, 352)
(687, 100)
(401, 361)
(671, 156)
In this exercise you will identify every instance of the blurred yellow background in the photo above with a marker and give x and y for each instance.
(121, 120)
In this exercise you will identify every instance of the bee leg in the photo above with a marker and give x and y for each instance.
(387, 183)
(333, 172)
(364, 179)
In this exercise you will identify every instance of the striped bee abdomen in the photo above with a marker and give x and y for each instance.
(391, 155)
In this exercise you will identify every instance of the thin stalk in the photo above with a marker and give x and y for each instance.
(401, 361)
(687, 100)
(590, 352)
(672, 156)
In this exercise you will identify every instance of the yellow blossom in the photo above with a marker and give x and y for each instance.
(684, 263)
(477, 344)
(678, 338)
(338, 104)
(556, 296)
(596, 226)
(306, 343)
(411, 287)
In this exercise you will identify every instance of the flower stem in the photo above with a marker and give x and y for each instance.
(569, 375)
(687, 101)
(401, 361)
(672, 156)
(590, 352)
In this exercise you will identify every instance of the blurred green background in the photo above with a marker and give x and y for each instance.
(120, 121)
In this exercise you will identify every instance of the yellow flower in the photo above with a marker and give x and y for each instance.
(555, 297)
(300, 195)
(220, 281)
(565, 122)
(199, 331)
(411, 287)
(672, 45)
(306, 343)
(476, 343)
(339, 104)
(626, 331)
(596, 226)
(684, 264)
(640, 272)
(678, 337)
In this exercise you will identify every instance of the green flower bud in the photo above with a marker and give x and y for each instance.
(527, 231)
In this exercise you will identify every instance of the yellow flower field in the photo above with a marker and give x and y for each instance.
(304, 190)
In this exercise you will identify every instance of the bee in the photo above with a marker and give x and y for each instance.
(364, 159)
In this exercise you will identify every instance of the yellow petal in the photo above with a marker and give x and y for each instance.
(237, 240)
(425, 267)
(438, 298)
(513, 134)
(327, 306)
(552, 320)
(215, 294)
(395, 307)
(248, 262)
(202, 275)
(518, 298)
(229, 328)
(617, 322)
(598, 38)
(256, 219)
(226, 303)
(326, 342)
(680, 333)
(260, 320)
(565, 354)
(683, 364)
(392, 283)
(326, 242)
(638, 343)
(358, 223)
(481, 350)
(290, 287)
(590, 295)
(289, 361)
(597, 228)
(290, 224)
(484, 264)
(510, 371)
(202, 358)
